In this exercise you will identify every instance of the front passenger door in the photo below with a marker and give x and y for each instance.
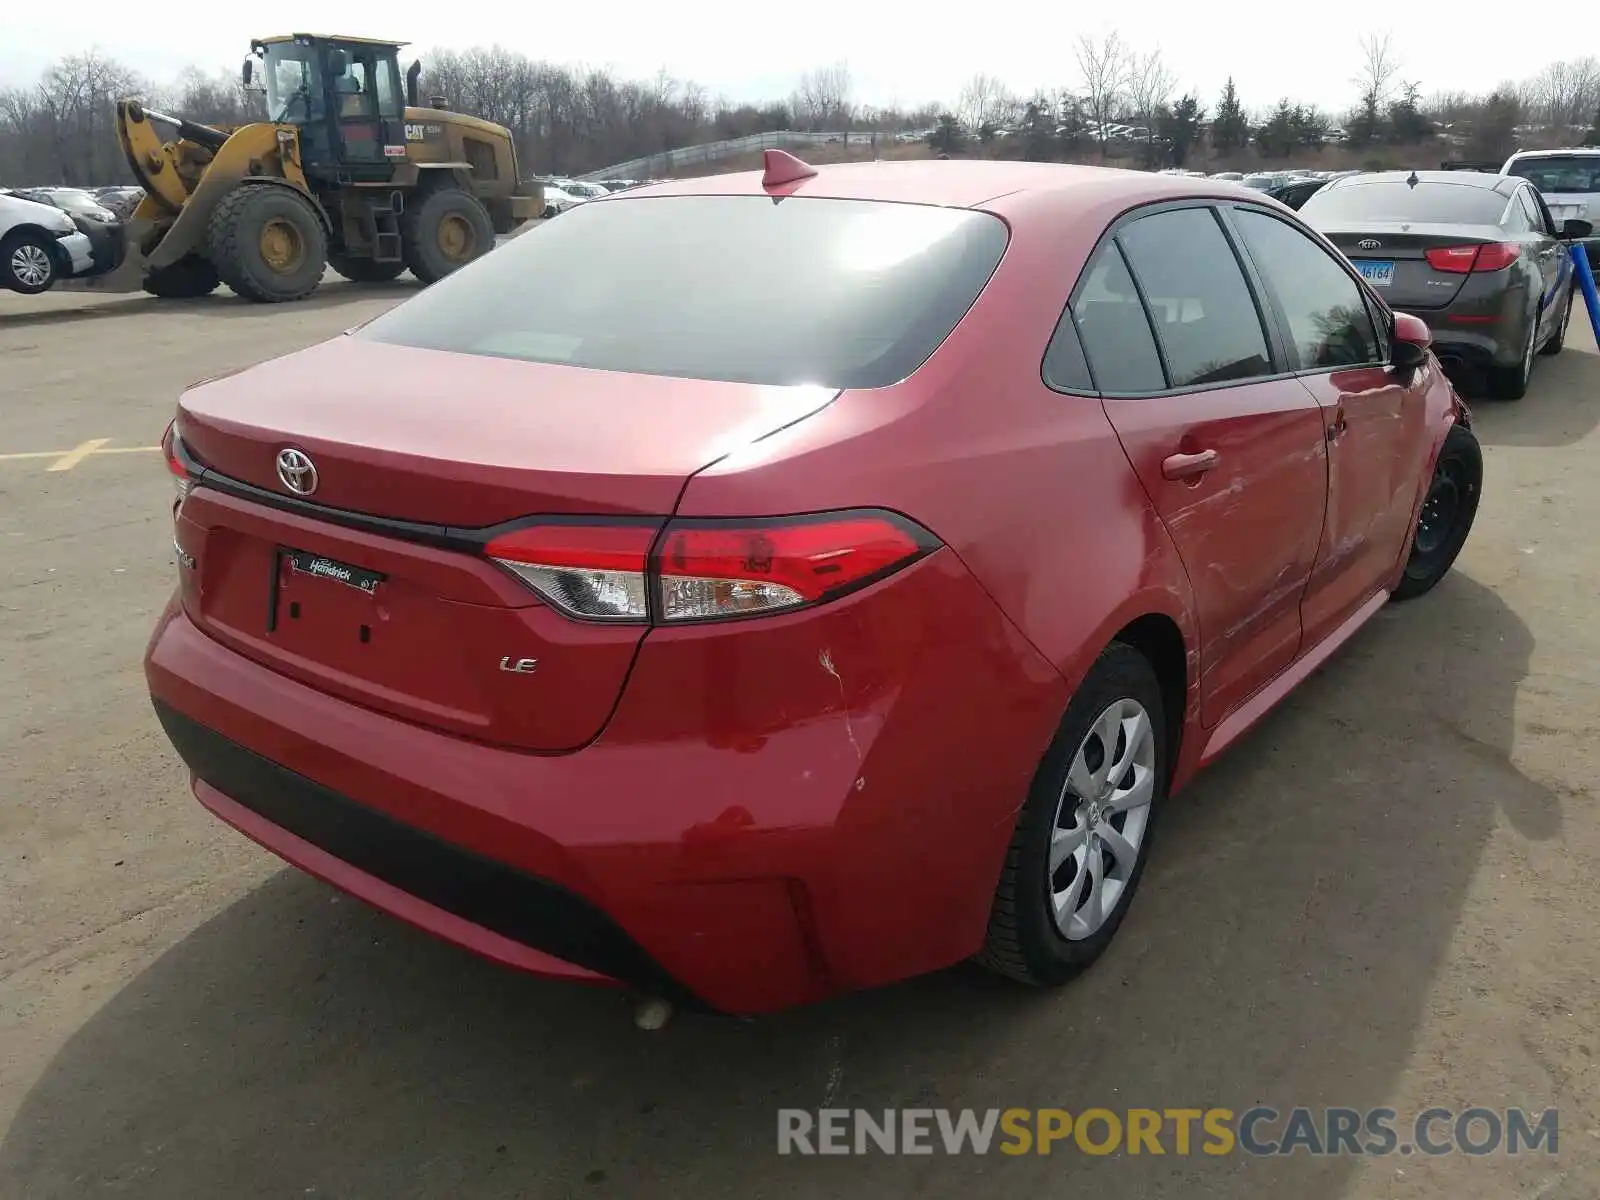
(1229, 450)
(1375, 419)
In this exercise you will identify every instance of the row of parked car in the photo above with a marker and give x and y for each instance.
(561, 193)
(53, 233)
(1482, 258)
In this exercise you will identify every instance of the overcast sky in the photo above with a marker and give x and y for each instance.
(1272, 48)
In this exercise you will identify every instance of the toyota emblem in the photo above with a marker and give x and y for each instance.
(297, 472)
(1369, 243)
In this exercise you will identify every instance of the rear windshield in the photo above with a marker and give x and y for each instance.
(841, 293)
(1555, 175)
(1396, 200)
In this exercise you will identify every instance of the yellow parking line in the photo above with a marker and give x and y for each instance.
(67, 459)
(77, 454)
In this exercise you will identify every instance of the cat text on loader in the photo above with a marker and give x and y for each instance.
(347, 172)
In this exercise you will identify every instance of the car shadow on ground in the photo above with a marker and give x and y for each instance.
(221, 303)
(1302, 898)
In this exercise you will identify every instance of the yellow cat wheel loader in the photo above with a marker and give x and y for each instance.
(349, 171)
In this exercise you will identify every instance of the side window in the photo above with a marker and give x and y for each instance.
(1517, 219)
(1065, 367)
(1538, 216)
(1114, 327)
(1328, 319)
(1200, 305)
(391, 102)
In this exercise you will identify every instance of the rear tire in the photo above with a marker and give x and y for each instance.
(1559, 338)
(1511, 383)
(28, 263)
(1448, 510)
(268, 243)
(186, 279)
(443, 232)
(365, 270)
(1041, 930)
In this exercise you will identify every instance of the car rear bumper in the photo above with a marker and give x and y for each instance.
(701, 848)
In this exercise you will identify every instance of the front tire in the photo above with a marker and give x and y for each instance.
(446, 230)
(186, 279)
(1083, 836)
(1448, 510)
(28, 263)
(268, 243)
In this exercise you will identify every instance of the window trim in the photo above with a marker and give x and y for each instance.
(1276, 348)
(1382, 319)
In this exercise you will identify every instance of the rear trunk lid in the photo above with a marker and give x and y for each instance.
(374, 587)
(1393, 258)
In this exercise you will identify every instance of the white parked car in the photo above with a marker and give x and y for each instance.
(557, 200)
(39, 244)
(1569, 181)
(581, 191)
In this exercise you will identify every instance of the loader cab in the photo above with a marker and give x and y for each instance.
(346, 97)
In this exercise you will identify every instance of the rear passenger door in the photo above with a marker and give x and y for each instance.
(1547, 250)
(1374, 419)
(1229, 448)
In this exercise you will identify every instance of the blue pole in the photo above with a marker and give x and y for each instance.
(1580, 261)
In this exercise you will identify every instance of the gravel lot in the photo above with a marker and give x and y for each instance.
(1384, 897)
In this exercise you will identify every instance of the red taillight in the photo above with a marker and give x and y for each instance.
(706, 569)
(169, 451)
(724, 569)
(590, 569)
(1459, 260)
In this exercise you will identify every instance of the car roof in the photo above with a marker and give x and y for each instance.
(1578, 151)
(958, 183)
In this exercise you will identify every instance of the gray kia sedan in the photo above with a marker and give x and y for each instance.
(1476, 256)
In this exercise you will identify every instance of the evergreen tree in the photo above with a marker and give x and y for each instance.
(1229, 128)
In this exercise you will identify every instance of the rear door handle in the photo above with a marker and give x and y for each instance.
(1336, 430)
(1188, 466)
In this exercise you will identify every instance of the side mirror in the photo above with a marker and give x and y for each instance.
(1574, 229)
(1409, 345)
(247, 72)
(337, 62)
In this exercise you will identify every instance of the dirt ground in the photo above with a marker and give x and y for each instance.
(1384, 897)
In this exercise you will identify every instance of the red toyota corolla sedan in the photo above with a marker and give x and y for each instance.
(752, 588)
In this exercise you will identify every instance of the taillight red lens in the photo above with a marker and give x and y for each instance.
(1497, 256)
(1459, 260)
(712, 569)
(169, 451)
(588, 569)
(706, 569)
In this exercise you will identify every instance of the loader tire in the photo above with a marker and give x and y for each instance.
(445, 230)
(189, 277)
(268, 243)
(364, 270)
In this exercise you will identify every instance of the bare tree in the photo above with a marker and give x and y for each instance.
(822, 101)
(985, 101)
(1103, 68)
(1379, 64)
(1150, 85)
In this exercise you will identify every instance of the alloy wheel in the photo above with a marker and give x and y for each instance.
(1101, 818)
(31, 265)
